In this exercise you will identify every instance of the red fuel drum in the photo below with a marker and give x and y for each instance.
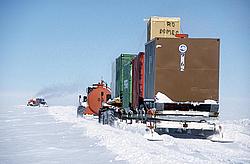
(99, 94)
(138, 80)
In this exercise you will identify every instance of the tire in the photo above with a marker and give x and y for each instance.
(101, 117)
(111, 117)
(107, 117)
(80, 111)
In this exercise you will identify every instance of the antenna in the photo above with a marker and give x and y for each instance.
(182, 30)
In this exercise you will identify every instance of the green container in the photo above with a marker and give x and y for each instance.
(127, 87)
(121, 61)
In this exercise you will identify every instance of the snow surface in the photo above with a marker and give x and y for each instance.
(31, 135)
(162, 98)
(210, 101)
(56, 135)
(128, 143)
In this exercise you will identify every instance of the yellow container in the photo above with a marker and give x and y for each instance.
(162, 27)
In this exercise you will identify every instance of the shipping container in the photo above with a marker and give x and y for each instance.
(163, 27)
(121, 61)
(127, 87)
(138, 80)
(113, 79)
(184, 69)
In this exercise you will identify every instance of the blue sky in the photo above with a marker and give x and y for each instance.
(71, 44)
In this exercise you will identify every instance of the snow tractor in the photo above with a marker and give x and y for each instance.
(37, 102)
(97, 95)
